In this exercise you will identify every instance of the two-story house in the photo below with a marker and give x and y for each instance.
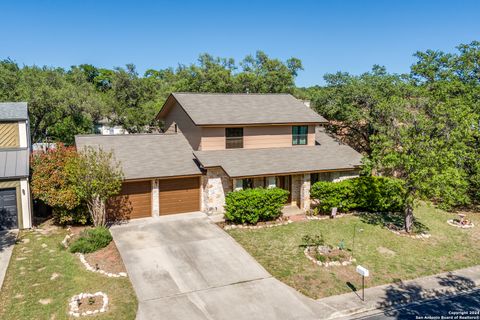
(15, 204)
(218, 143)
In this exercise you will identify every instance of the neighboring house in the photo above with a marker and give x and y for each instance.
(217, 143)
(104, 127)
(15, 203)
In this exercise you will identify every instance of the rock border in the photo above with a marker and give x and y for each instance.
(244, 226)
(327, 217)
(464, 226)
(422, 235)
(330, 263)
(92, 269)
(74, 307)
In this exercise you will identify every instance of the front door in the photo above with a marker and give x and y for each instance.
(285, 182)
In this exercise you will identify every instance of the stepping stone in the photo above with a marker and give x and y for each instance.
(386, 251)
(45, 301)
(41, 269)
(21, 258)
(19, 296)
(35, 284)
(54, 276)
(26, 240)
(44, 245)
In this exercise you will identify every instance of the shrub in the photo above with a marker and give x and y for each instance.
(91, 240)
(77, 215)
(372, 194)
(330, 195)
(253, 205)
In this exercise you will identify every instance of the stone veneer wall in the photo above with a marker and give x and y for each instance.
(295, 190)
(215, 185)
(305, 192)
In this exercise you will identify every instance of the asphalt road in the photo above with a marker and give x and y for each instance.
(464, 306)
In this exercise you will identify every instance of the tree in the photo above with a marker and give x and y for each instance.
(413, 147)
(96, 177)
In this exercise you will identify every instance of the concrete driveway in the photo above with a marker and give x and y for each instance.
(7, 241)
(186, 267)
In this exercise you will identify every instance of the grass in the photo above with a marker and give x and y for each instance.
(28, 280)
(389, 257)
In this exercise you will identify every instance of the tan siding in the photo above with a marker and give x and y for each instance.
(255, 137)
(191, 132)
(213, 139)
(9, 135)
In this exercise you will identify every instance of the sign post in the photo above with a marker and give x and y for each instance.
(364, 273)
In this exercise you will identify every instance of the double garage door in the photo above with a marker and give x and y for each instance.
(175, 196)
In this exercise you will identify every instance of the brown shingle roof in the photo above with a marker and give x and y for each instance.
(328, 155)
(232, 109)
(145, 156)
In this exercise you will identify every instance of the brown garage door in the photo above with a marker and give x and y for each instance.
(134, 201)
(179, 195)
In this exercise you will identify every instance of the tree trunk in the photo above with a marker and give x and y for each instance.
(408, 218)
(97, 209)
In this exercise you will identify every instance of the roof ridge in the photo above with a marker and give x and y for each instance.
(235, 93)
(126, 135)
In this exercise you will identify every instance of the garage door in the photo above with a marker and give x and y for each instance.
(134, 201)
(8, 209)
(179, 195)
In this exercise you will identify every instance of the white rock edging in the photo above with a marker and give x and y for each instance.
(243, 226)
(92, 269)
(330, 263)
(461, 226)
(413, 236)
(75, 307)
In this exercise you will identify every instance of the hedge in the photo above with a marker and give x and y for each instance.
(371, 194)
(253, 205)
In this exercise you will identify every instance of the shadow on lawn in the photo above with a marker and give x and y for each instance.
(401, 294)
(7, 238)
(393, 221)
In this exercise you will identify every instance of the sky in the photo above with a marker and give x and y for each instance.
(327, 36)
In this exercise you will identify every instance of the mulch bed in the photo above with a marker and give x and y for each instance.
(107, 259)
(90, 304)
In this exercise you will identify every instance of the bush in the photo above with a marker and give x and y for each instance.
(253, 205)
(91, 240)
(371, 194)
(78, 215)
(330, 195)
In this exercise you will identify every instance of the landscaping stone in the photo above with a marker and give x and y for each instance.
(54, 276)
(75, 307)
(245, 226)
(92, 269)
(328, 263)
(386, 251)
(45, 301)
(461, 226)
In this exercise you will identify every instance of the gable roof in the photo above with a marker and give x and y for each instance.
(14, 163)
(144, 156)
(328, 155)
(11, 111)
(236, 109)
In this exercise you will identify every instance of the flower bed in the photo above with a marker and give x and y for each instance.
(327, 256)
(98, 270)
(85, 304)
(459, 224)
(259, 225)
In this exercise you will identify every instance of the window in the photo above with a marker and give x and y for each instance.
(242, 184)
(271, 182)
(299, 135)
(233, 138)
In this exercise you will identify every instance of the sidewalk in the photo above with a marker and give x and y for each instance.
(405, 292)
(7, 240)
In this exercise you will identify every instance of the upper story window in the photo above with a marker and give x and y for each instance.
(299, 135)
(233, 138)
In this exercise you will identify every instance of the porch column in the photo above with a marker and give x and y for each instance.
(305, 192)
(155, 198)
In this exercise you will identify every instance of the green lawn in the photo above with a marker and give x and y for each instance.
(28, 281)
(278, 250)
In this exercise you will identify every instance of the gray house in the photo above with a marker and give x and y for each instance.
(15, 204)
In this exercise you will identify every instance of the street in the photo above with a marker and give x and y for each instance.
(461, 306)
